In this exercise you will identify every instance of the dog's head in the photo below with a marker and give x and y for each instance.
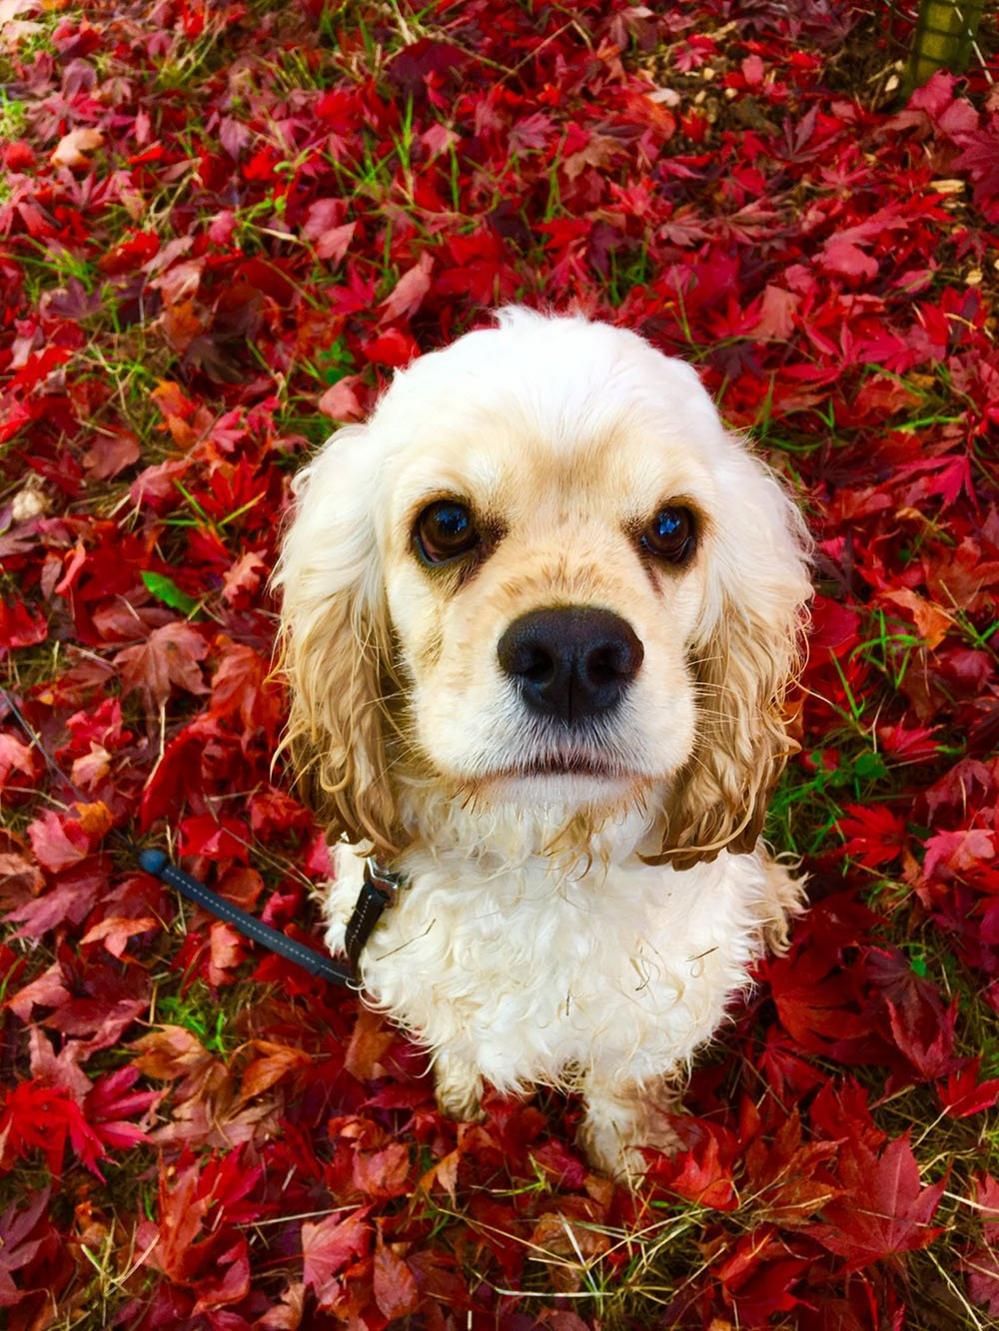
(543, 574)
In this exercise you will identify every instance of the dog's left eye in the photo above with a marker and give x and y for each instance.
(670, 534)
(445, 530)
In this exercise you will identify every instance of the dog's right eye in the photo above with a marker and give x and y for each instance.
(445, 530)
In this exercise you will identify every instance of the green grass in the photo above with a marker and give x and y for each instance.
(198, 1011)
(13, 116)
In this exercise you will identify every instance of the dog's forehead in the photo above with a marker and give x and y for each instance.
(585, 410)
(557, 372)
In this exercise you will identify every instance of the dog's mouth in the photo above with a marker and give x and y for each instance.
(565, 765)
(577, 766)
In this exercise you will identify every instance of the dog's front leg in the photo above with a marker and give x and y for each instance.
(621, 1118)
(458, 1087)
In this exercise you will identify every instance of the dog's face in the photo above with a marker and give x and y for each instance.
(544, 574)
(544, 566)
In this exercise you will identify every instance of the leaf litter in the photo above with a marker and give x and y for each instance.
(221, 228)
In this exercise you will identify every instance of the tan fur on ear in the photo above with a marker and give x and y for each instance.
(721, 796)
(742, 673)
(338, 723)
(335, 648)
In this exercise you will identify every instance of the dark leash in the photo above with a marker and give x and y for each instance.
(377, 890)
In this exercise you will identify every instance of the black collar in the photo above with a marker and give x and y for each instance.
(377, 890)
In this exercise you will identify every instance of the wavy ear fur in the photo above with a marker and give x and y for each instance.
(747, 653)
(335, 644)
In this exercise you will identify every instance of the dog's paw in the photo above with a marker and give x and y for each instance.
(458, 1089)
(622, 1157)
(780, 906)
(617, 1127)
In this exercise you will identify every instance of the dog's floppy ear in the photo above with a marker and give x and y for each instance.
(746, 653)
(335, 646)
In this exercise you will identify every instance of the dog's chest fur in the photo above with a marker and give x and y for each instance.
(523, 978)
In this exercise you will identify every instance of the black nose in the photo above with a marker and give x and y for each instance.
(571, 662)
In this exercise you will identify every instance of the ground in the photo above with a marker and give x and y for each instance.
(221, 228)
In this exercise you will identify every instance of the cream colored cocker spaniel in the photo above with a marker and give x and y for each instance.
(539, 614)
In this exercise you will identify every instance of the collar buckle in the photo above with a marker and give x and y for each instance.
(379, 887)
(381, 878)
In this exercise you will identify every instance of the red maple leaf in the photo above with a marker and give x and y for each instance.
(815, 998)
(168, 658)
(329, 1247)
(885, 1211)
(962, 1094)
(21, 1235)
(43, 1117)
(703, 1172)
(791, 1178)
(980, 158)
(981, 1264)
(873, 836)
(395, 1286)
(19, 626)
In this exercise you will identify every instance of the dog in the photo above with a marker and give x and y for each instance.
(539, 614)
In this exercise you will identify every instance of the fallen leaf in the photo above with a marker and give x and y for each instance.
(886, 1210)
(328, 1247)
(168, 659)
(74, 149)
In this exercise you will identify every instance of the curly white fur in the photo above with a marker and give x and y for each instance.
(570, 930)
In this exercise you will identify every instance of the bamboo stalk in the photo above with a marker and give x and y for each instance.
(945, 36)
